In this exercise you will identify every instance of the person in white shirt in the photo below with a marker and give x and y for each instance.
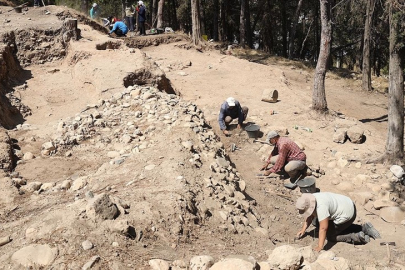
(336, 214)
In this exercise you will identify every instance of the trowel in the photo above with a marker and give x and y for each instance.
(292, 185)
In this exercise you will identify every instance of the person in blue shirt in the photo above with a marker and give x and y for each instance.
(231, 109)
(119, 28)
(95, 11)
(141, 18)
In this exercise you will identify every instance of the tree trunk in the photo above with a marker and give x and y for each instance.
(242, 23)
(195, 18)
(318, 96)
(160, 14)
(284, 28)
(201, 13)
(154, 12)
(293, 30)
(224, 21)
(249, 33)
(394, 148)
(175, 25)
(216, 11)
(366, 68)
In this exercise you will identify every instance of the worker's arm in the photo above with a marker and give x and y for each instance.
(282, 156)
(305, 226)
(114, 28)
(221, 118)
(323, 228)
(240, 116)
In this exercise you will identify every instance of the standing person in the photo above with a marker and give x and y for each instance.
(95, 11)
(141, 18)
(129, 17)
(336, 214)
(286, 155)
(231, 109)
(119, 28)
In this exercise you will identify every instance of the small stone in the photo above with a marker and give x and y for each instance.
(86, 245)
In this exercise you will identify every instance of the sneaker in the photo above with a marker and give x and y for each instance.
(364, 238)
(368, 229)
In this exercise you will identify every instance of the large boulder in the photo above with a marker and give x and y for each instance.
(355, 134)
(285, 258)
(234, 264)
(201, 262)
(35, 255)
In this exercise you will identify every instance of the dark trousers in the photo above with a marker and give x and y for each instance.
(141, 27)
(130, 23)
(119, 33)
(36, 3)
(336, 232)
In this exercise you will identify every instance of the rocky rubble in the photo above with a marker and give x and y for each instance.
(131, 119)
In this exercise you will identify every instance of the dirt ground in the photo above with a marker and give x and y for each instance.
(62, 88)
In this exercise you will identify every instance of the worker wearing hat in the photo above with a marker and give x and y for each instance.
(335, 214)
(286, 156)
(95, 11)
(231, 109)
(141, 18)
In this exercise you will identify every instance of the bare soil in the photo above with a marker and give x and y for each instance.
(96, 67)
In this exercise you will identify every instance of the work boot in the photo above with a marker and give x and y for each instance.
(369, 229)
(354, 238)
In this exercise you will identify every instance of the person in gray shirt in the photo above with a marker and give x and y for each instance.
(336, 214)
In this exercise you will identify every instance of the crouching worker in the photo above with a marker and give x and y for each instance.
(286, 156)
(119, 28)
(336, 214)
(231, 109)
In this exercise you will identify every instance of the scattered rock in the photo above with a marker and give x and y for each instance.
(101, 207)
(392, 214)
(35, 255)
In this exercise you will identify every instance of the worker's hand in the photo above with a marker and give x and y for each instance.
(317, 249)
(269, 173)
(264, 166)
(300, 234)
(239, 126)
(225, 132)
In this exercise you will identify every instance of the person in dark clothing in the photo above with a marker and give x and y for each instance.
(141, 18)
(231, 109)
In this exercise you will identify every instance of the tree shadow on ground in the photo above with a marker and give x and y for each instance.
(383, 118)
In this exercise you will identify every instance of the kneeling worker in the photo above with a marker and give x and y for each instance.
(119, 28)
(231, 109)
(336, 214)
(286, 155)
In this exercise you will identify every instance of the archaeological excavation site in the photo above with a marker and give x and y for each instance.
(111, 155)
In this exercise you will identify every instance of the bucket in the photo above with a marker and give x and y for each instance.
(307, 185)
(252, 130)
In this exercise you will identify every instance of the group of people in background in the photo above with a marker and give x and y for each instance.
(119, 27)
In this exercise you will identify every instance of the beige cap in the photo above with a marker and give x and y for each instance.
(306, 204)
